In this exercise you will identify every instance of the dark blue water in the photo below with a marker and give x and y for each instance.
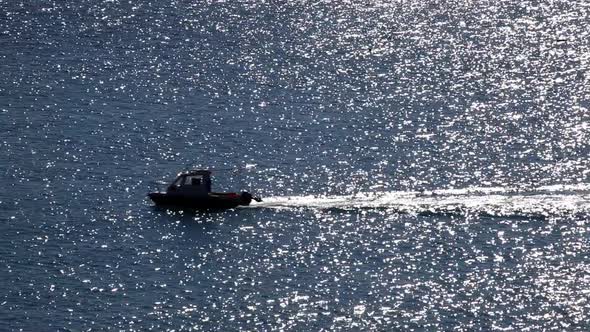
(424, 165)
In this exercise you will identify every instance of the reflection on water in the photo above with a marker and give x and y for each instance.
(423, 164)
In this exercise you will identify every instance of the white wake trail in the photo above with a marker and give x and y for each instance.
(544, 201)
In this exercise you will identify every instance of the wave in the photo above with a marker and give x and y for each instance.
(540, 202)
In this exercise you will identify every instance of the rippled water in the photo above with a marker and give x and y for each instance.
(423, 164)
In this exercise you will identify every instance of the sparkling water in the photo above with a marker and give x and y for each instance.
(424, 165)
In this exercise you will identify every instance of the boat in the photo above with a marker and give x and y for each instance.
(192, 190)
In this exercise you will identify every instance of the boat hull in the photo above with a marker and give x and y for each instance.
(201, 202)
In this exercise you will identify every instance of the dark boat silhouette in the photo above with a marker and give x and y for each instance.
(192, 190)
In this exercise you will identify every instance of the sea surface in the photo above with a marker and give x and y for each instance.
(423, 164)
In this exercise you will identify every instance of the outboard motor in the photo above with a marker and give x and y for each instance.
(246, 198)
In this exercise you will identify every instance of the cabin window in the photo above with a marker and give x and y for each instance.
(193, 180)
(178, 182)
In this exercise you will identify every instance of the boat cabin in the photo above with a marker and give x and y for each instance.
(194, 182)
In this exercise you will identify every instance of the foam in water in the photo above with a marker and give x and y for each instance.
(545, 201)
